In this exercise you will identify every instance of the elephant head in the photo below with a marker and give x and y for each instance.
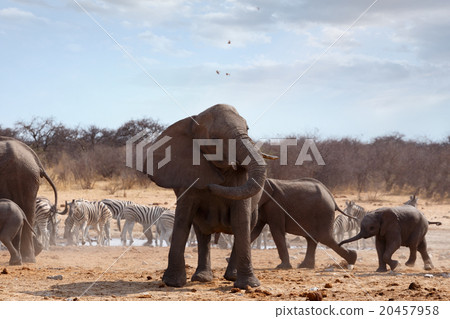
(376, 223)
(194, 163)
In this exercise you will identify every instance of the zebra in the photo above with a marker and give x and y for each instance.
(343, 224)
(144, 215)
(412, 201)
(43, 214)
(164, 227)
(116, 207)
(86, 214)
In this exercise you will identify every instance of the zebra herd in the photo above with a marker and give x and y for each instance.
(83, 215)
(343, 224)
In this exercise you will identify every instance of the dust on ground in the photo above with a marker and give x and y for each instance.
(134, 273)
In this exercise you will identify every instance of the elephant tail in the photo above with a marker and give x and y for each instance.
(344, 213)
(28, 223)
(435, 223)
(49, 180)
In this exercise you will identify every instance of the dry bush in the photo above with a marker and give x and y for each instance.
(83, 170)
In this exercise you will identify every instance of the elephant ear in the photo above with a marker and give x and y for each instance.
(169, 159)
(389, 221)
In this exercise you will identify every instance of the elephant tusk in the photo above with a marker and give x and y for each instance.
(267, 156)
(234, 165)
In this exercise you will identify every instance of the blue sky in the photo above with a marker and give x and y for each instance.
(389, 73)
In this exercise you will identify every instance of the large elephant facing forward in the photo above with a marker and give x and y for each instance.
(214, 193)
(20, 173)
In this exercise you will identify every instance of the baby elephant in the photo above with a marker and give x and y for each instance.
(12, 219)
(395, 227)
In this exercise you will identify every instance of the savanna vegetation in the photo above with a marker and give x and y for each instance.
(390, 164)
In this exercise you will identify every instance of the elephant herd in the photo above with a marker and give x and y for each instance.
(230, 193)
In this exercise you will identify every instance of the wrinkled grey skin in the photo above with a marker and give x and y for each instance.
(12, 219)
(20, 173)
(395, 227)
(311, 206)
(215, 196)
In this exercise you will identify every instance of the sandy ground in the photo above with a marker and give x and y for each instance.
(134, 273)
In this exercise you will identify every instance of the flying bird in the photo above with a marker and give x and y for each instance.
(217, 71)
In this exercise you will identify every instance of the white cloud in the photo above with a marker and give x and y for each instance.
(163, 44)
(15, 14)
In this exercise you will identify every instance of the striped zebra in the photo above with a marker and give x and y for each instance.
(412, 201)
(69, 223)
(43, 218)
(144, 215)
(116, 207)
(343, 224)
(90, 214)
(164, 227)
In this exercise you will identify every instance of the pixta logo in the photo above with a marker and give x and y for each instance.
(140, 144)
(143, 147)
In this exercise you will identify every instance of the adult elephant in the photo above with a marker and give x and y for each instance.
(20, 173)
(214, 193)
(303, 207)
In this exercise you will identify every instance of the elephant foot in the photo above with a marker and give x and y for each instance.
(15, 262)
(29, 259)
(248, 281)
(203, 276)
(307, 264)
(284, 266)
(230, 274)
(174, 278)
(352, 256)
(393, 264)
(428, 265)
(381, 269)
(410, 263)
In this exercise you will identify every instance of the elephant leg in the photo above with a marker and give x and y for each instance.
(231, 271)
(390, 247)
(380, 247)
(26, 241)
(256, 232)
(422, 248)
(13, 248)
(349, 255)
(175, 274)
(412, 256)
(279, 237)
(240, 224)
(203, 272)
(309, 261)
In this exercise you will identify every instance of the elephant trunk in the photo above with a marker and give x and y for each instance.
(256, 171)
(354, 238)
